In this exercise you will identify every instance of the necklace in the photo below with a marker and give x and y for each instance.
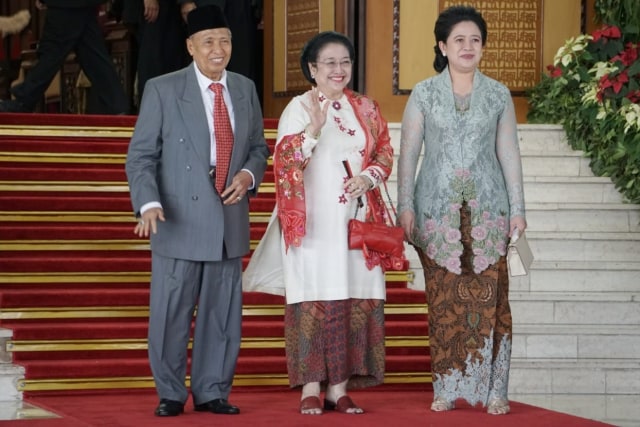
(335, 104)
(462, 102)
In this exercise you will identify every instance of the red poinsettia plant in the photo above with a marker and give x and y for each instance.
(593, 90)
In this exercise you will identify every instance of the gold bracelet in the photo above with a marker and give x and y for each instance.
(316, 136)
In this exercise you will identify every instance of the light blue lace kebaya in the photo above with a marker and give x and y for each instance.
(470, 155)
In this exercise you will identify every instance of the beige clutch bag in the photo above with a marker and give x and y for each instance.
(519, 255)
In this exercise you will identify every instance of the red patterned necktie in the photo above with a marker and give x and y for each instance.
(224, 136)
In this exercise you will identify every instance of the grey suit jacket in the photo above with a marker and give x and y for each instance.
(168, 161)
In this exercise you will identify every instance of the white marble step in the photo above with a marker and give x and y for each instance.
(621, 410)
(569, 189)
(10, 375)
(598, 375)
(583, 217)
(575, 341)
(550, 278)
(585, 249)
(559, 297)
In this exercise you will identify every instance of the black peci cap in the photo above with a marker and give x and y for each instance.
(205, 18)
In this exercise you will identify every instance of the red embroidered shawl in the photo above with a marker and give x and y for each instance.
(289, 163)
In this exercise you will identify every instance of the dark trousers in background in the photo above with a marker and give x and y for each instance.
(74, 29)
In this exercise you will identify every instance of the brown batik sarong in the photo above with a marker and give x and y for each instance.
(469, 326)
(332, 341)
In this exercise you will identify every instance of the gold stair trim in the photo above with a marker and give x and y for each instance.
(89, 216)
(126, 277)
(74, 245)
(22, 313)
(40, 157)
(66, 157)
(123, 344)
(62, 384)
(79, 277)
(128, 245)
(120, 344)
(86, 186)
(79, 131)
(69, 187)
(83, 245)
(73, 312)
(67, 131)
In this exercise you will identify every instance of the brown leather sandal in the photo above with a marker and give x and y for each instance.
(310, 403)
(344, 405)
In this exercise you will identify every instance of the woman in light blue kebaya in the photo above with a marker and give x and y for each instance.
(460, 210)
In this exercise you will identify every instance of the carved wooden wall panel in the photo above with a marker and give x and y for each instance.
(513, 53)
(295, 22)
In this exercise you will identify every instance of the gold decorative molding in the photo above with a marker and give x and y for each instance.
(123, 344)
(239, 380)
(295, 22)
(512, 55)
(97, 312)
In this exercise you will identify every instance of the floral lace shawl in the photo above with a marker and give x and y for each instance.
(290, 160)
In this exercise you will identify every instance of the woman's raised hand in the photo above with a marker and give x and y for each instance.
(317, 112)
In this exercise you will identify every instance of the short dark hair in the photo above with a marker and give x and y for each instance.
(448, 19)
(312, 48)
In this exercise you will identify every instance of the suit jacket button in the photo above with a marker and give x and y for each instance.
(188, 168)
(194, 197)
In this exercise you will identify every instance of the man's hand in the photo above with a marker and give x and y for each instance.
(149, 221)
(238, 188)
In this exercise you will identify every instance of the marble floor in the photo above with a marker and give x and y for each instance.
(22, 411)
(617, 410)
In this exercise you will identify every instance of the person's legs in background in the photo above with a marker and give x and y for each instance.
(62, 28)
(97, 64)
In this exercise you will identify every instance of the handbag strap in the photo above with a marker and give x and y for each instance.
(393, 208)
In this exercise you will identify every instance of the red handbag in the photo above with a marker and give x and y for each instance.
(387, 240)
(377, 237)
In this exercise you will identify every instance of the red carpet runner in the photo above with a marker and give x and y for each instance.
(74, 278)
(279, 409)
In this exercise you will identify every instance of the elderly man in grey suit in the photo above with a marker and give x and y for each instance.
(198, 233)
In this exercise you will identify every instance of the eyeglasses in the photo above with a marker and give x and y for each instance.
(345, 63)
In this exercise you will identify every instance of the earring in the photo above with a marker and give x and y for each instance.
(444, 54)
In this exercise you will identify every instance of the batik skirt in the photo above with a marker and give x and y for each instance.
(469, 326)
(333, 341)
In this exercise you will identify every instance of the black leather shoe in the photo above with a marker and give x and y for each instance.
(218, 406)
(13, 106)
(169, 408)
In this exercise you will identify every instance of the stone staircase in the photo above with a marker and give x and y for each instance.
(577, 315)
(74, 280)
